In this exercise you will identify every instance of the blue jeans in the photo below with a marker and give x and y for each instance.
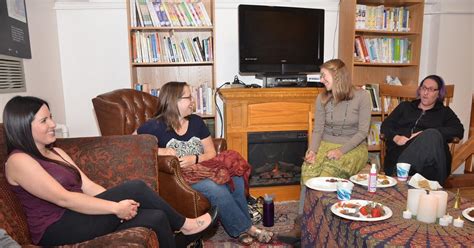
(233, 211)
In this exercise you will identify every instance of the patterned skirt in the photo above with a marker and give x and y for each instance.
(349, 164)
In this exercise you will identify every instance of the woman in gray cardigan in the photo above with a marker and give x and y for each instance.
(338, 146)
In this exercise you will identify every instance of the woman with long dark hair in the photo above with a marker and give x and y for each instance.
(62, 204)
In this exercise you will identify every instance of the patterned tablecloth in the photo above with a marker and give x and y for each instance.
(321, 228)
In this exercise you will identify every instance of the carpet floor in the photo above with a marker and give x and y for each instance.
(285, 213)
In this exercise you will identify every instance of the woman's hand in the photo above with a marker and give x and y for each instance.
(126, 209)
(166, 152)
(187, 160)
(310, 156)
(400, 140)
(334, 154)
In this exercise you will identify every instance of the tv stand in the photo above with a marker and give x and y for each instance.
(287, 80)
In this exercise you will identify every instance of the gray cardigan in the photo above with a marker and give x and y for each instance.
(345, 123)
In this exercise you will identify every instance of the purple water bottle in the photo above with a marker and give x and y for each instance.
(268, 211)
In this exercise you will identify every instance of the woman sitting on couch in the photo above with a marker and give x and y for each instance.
(63, 205)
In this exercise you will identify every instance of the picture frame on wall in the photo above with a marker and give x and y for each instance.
(14, 35)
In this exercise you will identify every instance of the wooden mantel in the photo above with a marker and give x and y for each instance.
(249, 110)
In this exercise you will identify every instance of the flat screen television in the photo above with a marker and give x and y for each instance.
(280, 40)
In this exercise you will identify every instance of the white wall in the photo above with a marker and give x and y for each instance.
(42, 71)
(94, 51)
(94, 58)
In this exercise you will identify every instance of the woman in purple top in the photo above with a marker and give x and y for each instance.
(63, 205)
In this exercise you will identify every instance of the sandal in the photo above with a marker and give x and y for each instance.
(245, 239)
(263, 236)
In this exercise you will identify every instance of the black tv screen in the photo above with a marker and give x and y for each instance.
(280, 40)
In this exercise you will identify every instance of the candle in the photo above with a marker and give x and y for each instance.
(458, 222)
(443, 221)
(427, 208)
(407, 214)
(414, 199)
(442, 202)
(449, 218)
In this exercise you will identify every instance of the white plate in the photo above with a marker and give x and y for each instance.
(392, 181)
(467, 210)
(336, 210)
(321, 183)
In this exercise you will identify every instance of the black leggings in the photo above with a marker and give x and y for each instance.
(154, 213)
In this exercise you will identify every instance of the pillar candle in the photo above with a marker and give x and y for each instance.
(427, 208)
(442, 202)
(414, 199)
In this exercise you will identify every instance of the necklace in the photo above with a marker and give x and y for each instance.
(332, 119)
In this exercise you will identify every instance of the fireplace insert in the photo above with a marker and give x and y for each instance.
(276, 157)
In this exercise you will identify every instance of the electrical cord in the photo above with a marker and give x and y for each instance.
(217, 107)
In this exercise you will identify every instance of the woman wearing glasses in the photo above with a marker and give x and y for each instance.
(418, 132)
(221, 178)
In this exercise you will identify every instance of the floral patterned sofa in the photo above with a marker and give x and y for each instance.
(106, 160)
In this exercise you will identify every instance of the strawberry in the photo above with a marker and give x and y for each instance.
(364, 211)
(376, 212)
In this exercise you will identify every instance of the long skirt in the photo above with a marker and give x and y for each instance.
(347, 165)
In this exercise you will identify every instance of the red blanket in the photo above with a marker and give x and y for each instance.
(219, 169)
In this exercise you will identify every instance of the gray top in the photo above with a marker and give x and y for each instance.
(345, 123)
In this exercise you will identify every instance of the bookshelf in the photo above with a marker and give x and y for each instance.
(381, 26)
(173, 41)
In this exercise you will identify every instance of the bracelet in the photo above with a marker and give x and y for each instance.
(197, 158)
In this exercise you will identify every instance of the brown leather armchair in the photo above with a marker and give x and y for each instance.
(121, 112)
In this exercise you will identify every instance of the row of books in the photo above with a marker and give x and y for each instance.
(177, 13)
(202, 97)
(152, 47)
(382, 50)
(382, 18)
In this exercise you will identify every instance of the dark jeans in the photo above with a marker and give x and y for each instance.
(427, 154)
(154, 213)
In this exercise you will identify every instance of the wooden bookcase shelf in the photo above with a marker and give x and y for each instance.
(363, 73)
(156, 73)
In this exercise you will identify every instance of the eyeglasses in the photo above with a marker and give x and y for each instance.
(186, 97)
(430, 90)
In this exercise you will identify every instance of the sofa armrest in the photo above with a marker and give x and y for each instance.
(174, 189)
(131, 237)
(111, 160)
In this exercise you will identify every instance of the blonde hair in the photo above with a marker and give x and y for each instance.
(342, 88)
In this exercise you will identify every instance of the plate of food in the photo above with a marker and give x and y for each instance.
(328, 184)
(468, 213)
(361, 210)
(383, 181)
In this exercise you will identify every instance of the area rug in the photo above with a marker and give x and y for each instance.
(285, 213)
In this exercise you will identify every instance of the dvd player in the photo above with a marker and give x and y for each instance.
(271, 81)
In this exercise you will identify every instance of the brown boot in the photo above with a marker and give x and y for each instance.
(294, 235)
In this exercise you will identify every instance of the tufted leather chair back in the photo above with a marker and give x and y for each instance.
(122, 111)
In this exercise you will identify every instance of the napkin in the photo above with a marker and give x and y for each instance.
(417, 178)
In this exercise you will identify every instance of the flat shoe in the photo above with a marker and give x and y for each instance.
(194, 237)
(262, 236)
(245, 239)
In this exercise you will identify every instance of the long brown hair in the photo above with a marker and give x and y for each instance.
(342, 88)
(168, 110)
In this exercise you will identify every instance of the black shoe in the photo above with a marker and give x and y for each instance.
(188, 239)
